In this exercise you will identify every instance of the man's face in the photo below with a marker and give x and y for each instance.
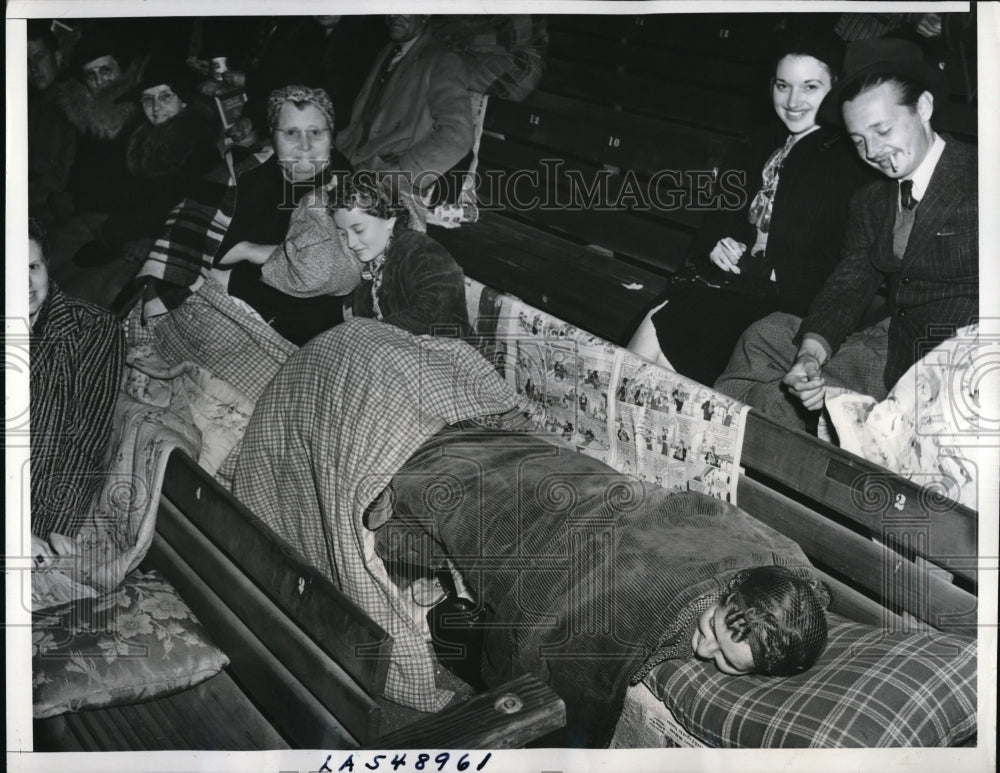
(43, 66)
(404, 27)
(100, 73)
(38, 279)
(889, 136)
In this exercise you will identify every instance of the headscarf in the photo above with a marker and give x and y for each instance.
(299, 95)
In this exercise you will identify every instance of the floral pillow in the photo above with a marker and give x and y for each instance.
(137, 642)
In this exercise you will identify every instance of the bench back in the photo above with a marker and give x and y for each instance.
(304, 652)
(833, 503)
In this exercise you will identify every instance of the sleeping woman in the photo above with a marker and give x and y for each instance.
(411, 281)
(776, 249)
(588, 578)
(584, 576)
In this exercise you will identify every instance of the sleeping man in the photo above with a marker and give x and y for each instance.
(582, 576)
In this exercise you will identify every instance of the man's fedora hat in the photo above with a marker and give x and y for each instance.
(883, 56)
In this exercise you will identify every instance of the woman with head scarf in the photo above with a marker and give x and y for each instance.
(301, 120)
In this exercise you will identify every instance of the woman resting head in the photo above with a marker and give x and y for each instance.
(301, 121)
(411, 281)
(768, 621)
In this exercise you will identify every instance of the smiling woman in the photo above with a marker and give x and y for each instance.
(775, 249)
(411, 280)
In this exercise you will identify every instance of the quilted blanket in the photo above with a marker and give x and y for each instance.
(334, 425)
(120, 528)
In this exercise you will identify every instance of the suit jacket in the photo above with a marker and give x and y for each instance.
(423, 114)
(933, 289)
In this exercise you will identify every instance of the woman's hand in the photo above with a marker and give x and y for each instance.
(727, 253)
(248, 251)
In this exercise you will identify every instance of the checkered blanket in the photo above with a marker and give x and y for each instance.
(332, 428)
(182, 256)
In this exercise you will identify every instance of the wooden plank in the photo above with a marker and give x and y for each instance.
(553, 275)
(566, 128)
(291, 708)
(848, 602)
(337, 691)
(668, 195)
(734, 37)
(680, 102)
(867, 494)
(331, 619)
(640, 236)
(505, 718)
(897, 582)
(648, 59)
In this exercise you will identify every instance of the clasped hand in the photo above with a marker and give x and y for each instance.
(727, 253)
(805, 380)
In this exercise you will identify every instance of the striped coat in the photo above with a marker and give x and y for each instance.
(77, 358)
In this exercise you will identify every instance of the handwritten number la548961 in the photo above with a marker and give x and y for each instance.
(421, 761)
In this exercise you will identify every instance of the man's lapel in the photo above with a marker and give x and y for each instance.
(933, 209)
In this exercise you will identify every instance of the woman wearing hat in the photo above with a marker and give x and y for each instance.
(773, 251)
(166, 154)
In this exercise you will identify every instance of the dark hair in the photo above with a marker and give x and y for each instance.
(41, 29)
(826, 48)
(374, 194)
(908, 90)
(37, 234)
(780, 615)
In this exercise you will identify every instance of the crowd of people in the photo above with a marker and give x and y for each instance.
(350, 122)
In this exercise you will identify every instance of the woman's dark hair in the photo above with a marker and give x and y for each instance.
(908, 90)
(37, 234)
(374, 194)
(823, 46)
(780, 615)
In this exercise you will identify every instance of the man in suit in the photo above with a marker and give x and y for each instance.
(916, 231)
(413, 113)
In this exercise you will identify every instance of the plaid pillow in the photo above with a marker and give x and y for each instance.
(871, 688)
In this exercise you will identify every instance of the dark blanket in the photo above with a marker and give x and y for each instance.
(585, 574)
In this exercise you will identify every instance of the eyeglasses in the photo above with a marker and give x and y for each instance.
(100, 74)
(164, 98)
(297, 135)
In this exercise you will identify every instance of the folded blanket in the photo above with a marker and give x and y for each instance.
(119, 530)
(331, 429)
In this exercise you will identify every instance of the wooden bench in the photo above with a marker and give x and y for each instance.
(307, 665)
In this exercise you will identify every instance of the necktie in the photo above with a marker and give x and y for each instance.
(906, 194)
(383, 74)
